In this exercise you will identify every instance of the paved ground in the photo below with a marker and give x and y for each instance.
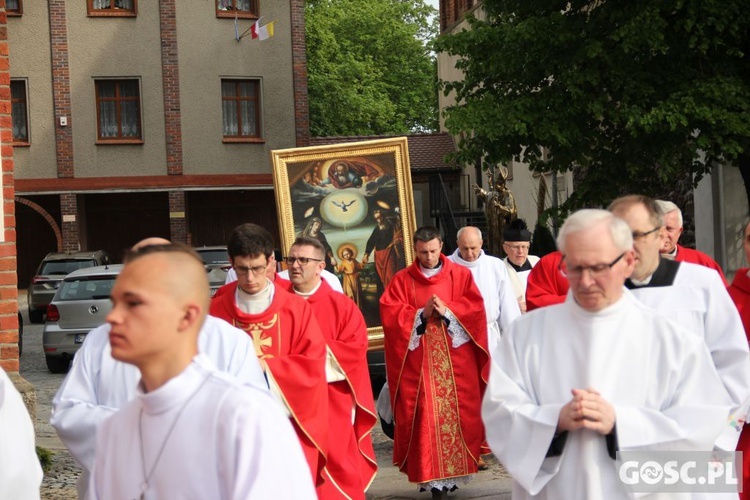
(59, 482)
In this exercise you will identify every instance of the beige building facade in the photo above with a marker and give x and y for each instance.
(146, 118)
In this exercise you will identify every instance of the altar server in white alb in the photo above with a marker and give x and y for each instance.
(573, 383)
(492, 279)
(192, 431)
(20, 473)
(693, 296)
(97, 385)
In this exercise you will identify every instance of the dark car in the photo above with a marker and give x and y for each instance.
(216, 262)
(80, 304)
(50, 273)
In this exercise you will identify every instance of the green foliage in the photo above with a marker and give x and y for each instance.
(634, 95)
(45, 458)
(542, 241)
(370, 71)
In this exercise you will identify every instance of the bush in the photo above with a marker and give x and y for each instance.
(45, 458)
(542, 241)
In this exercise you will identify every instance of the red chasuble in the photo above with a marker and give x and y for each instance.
(739, 290)
(351, 458)
(287, 338)
(436, 389)
(545, 285)
(698, 257)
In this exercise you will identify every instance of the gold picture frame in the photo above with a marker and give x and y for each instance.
(354, 197)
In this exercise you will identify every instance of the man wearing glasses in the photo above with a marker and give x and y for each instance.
(351, 463)
(574, 383)
(693, 296)
(516, 243)
(287, 339)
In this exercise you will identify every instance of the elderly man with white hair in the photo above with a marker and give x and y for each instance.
(672, 232)
(492, 279)
(573, 383)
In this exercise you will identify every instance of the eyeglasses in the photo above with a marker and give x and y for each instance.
(517, 248)
(638, 234)
(257, 270)
(302, 260)
(595, 270)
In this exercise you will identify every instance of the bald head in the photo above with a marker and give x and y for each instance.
(159, 303)
(177, 270)
(469, 243)
(147, 242)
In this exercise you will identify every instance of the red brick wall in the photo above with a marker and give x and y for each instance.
(69, 211)
(61, 87)
(8, 279)
(171, 83)
(177, 217)
(299, 74)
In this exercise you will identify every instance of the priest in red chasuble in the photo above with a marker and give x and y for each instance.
(287, 339)
(351, 465)
(437, 364)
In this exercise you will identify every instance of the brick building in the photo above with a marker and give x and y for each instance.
(135, 118)
(8, 283)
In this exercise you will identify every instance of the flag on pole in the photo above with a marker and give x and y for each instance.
(236, 28)
(254, 28)
(266, 32)
(262, 32)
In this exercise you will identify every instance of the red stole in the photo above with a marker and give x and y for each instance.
(436, 390)
(351, 457)
(287, 338)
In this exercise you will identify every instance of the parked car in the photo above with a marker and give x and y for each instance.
(216, 262)
(53, 268)
(80, 304)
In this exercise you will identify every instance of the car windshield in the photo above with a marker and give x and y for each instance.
(65, 266)
(214, 256)
(94, 288)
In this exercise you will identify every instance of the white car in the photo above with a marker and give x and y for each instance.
(81, 303)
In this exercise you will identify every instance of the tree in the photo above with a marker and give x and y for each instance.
(635, 96)
(370, 71)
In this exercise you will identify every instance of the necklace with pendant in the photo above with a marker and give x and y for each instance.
(147, 476)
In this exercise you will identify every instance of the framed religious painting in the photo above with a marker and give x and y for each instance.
(357, 200)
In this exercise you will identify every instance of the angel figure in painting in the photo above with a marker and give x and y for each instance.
(349, 269)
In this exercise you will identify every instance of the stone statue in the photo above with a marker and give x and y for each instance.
(499, 208)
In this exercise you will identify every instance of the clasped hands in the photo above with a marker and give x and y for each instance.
(435, 307)
(587, 410)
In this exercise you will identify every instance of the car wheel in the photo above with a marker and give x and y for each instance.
(58, 364)
(36, 316)
(20, 334)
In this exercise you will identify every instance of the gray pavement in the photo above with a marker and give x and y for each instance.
(59, 482)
